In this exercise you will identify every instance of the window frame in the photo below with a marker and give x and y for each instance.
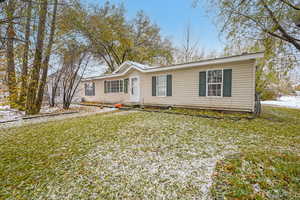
(166, 85)
(114, 86)
(57, 92)
(91, 92)
(222, 82)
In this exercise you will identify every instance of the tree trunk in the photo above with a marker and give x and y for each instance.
(53, 93)
(31, 107)
(72, 80)
(11, 73)
(54, 87)
(39, 99)
(24, 74)
(66, 104)
(52, 97)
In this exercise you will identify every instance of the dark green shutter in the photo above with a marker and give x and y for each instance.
(126, 85)
(169, 85)
(94, 88)
(153, 85)
(202, 84)
(85, 89)
(121, 85)
(105, 87)
(227, 82)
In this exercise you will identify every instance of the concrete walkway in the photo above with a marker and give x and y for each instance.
(21, 122)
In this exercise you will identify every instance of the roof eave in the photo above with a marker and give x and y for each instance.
(183, 66)
(113, 75)
(211, 62)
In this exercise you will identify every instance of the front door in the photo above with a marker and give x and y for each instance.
(134, 89)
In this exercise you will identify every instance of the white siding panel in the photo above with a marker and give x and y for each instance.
(186, 88)
(185, 84)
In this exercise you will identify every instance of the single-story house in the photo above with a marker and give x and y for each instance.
(226, 83)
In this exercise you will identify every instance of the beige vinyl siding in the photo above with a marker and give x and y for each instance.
(102, 97)
(185, 88)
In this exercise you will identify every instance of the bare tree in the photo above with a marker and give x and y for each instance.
(41, 88)
(189, 50)
(53, 86)
(76, 62)
(37, 64)
(24, 74)
(11, 73)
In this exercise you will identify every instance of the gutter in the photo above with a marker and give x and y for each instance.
(184, 66)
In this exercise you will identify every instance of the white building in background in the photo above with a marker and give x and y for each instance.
(295, 75)
(3, 87)
(59, 91)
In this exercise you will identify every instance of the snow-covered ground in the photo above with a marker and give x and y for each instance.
(6, 113)
(9, 114)
(285, 101)
(81, 113)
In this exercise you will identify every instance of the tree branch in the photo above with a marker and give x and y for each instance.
(290, 4)
(289, 38)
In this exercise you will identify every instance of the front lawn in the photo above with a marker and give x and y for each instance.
(153, 156)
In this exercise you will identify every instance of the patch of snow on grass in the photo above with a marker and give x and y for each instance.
(6, 113)
(4, 107)
(48, 109)
(54, 118)
(158, 157)
(285, 101)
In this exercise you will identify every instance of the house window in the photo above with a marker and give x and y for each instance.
(114, 86)
(214, 82)
(58, 91)
(89, 89)
(161, 85)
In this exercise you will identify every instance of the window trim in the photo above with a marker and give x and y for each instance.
(166, 86)
(93, 93)
(57, 92)
(109, 89)
(222, 82)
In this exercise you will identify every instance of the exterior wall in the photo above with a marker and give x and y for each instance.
(102, 97)
(59, 98)
(185, 88)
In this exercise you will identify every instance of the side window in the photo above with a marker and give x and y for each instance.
(214, 82)
(162, 85)
(89, 89)
(115, 86)
(58, 91)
